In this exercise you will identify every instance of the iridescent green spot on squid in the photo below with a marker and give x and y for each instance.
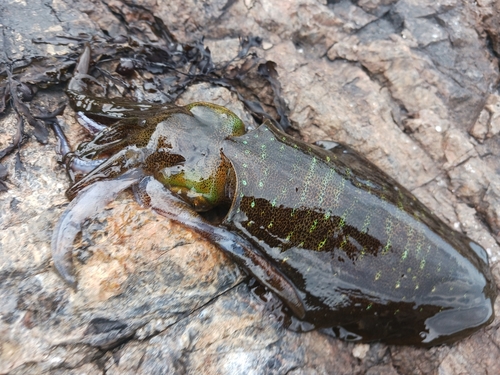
(344, 242)
(398, 284)
(289, 236)
(313, 226)
(244, 182)
(270, 225)
(387, 247)
(418, 248)
(252, 204)
(245, 142)
(422, 264)
(321, 244)
(404, 255)
(433, 289)
(396, 312)
(377, 275)
(366, 223)
(369, 306)
(341, 222)
(273, 203)
(327, 215)
(245, 165)
(247, 152)
(261, 184)
(388, 226)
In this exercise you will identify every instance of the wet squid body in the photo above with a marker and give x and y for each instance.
(345, 247)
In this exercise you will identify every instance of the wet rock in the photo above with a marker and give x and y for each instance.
(410, 85)
(489, 11)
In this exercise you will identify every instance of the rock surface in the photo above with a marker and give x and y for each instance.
(411, 85)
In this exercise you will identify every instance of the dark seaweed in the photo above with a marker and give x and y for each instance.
(41, 133)
(3, 176)
(103, 325)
